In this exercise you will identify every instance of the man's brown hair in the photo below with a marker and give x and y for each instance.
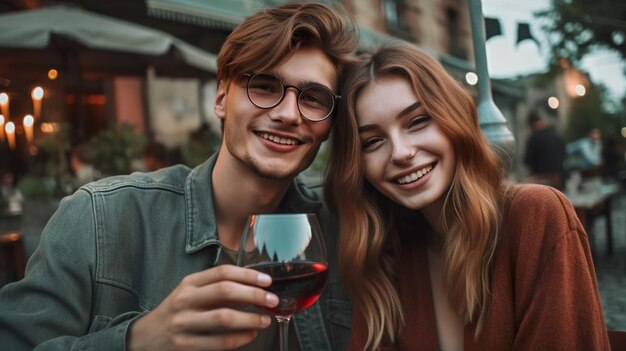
(267, 37)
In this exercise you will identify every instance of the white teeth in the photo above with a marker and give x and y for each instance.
(415, 175)
(279, 140)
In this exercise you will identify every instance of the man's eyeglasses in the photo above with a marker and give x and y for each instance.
(266, 90)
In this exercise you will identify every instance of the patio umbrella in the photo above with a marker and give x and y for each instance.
(46, 27)
(87, 49)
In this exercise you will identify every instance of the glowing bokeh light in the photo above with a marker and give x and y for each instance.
(28, 121)
(581, 90)
(37, 93)
(53, 74)
(471, 78)
(553, 102)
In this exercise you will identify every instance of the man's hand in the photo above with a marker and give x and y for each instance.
(198, 314)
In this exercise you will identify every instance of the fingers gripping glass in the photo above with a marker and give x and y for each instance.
(266, 90)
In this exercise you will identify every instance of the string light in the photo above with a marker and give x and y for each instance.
(53, 74)
(553, 102)
(471, 78)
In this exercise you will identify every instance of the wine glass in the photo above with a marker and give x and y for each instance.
(290, 248)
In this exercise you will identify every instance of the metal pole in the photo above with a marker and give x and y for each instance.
(492, 122)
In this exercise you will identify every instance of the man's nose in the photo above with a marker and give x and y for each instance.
(287, 110)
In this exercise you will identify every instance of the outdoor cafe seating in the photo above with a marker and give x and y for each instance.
(12, 257)
(594, 197)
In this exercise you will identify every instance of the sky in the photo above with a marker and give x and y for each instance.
(506, 60)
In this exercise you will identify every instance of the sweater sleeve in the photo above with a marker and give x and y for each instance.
(557, 302)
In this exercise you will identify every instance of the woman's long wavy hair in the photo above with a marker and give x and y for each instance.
(372, 228)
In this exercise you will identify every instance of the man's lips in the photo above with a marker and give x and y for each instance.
(279, 139)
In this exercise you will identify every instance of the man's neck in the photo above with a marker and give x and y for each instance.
(238, 191)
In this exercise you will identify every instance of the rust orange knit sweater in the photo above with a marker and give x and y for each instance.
(544, 290)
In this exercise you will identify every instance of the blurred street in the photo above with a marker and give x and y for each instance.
(611, 270)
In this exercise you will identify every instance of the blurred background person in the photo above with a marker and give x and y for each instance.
(545, 152)
(585, 154)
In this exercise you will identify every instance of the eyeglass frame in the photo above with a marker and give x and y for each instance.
(251, 75)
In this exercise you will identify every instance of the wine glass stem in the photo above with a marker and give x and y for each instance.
(283, 331)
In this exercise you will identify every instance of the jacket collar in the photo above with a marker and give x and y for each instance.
(200, 219)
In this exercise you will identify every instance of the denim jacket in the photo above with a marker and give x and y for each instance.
(117, 247)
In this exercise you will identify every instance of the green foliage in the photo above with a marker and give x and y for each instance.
(34, 188)
(616, 120)
(114, 149)
(585, 114)
(56, 146)
(200, 146)
(576, 27)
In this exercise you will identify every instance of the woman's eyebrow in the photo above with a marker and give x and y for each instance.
(410, 108)
(368, 127)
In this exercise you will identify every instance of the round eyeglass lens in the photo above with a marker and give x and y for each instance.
(265, 90)
(315, 103)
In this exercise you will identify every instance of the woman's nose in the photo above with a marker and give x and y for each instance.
(402, 151)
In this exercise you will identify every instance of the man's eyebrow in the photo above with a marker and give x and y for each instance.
(410, 108)
(315, 84)
(310, 84)
(303, 84)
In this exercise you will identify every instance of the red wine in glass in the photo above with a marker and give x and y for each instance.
(298, 285)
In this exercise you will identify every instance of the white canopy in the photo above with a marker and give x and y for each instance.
(33, 29)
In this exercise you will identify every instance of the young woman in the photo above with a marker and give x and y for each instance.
(437, 251)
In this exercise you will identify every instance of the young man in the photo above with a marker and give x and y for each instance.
(131, 262)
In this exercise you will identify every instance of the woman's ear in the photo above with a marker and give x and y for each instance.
(220, 100)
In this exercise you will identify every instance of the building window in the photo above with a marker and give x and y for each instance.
(391, 13)
(455, 45)
(393, 10)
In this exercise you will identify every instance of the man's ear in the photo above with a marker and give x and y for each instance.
(220, 100)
